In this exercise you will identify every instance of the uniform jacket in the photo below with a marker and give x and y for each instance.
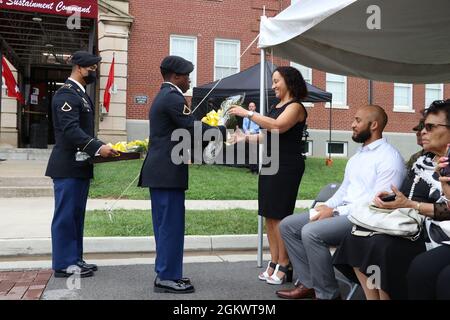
(168, 112)
(73, 121)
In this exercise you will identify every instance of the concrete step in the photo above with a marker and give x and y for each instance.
(24, 154)
(26, 192)
(26, 182)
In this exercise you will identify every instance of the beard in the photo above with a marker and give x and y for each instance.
(363, 136)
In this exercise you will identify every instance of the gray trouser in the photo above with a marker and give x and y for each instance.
(308, 246)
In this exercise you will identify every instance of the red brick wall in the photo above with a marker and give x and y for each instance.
(156, 20)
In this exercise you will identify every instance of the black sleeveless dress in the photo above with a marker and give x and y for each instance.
(277, 193)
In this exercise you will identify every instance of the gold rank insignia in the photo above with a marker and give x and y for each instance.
(66, 107)
(186, 110)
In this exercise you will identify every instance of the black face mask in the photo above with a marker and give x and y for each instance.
(91, 77)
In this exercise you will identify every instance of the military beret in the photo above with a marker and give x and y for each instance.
(84, 59)
(177, 64)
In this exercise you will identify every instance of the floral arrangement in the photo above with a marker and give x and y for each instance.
(133, 146)
(221, 117)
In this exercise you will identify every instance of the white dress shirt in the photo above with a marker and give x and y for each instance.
(176, 87)
(374, 168)
(79, 84)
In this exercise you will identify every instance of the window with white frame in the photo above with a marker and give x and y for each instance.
(433, 92)
(337, 85)
(186, 47)
(226, 58)
(308, 150)
(305, 71)
(336, 148)
(403, 97)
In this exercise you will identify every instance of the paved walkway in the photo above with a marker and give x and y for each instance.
(23, 285)
(31, 217)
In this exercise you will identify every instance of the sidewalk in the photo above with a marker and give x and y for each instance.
(25, 227)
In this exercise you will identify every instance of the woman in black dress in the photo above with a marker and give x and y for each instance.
(389, 256)
(277, 192)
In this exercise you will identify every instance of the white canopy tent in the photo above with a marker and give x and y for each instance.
(406, 41)
(412, 44)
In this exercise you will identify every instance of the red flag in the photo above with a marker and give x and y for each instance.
(13, 89)
(109, 84)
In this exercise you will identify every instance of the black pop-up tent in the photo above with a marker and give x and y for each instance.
(247, 81)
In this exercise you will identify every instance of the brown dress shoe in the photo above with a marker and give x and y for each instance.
(299, 292)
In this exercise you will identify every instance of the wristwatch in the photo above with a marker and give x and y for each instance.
(250, 114)
(335, 212)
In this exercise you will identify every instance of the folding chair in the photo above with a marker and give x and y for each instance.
(326, 193)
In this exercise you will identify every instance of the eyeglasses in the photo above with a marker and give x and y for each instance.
(430, 126)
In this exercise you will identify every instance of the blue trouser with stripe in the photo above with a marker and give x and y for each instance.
(68, 221)
(168, 226)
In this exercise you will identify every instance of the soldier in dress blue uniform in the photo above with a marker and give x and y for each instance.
(167, 180)
(70, 165)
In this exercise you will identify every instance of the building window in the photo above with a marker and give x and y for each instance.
(186, 47)
(226, 58)
(403, 93)
(305, 71)
(307, 76)
(307, 148)
(337, 85)
(433, 92)
(335, 148)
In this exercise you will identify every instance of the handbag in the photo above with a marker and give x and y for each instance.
(401, 222)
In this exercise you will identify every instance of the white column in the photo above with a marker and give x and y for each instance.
(113, 33)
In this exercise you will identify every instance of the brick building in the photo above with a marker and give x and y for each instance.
(209, 32)
(212, 34)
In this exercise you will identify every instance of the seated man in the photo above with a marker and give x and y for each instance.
(418, 129)
(376, 166)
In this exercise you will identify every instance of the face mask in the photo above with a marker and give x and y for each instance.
(91, 77)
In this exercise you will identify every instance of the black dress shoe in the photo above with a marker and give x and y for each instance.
(90, 266)
(186, 280)
(65, 273)
(172, 286)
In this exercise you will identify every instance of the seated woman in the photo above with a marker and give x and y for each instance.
(391, 256)
(429, 274)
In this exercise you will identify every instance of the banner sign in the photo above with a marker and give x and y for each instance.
(85, 8)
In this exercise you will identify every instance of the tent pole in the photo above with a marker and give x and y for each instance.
(262, 109)
(370, 92)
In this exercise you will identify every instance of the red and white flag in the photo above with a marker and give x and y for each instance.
(11, 85)
(109, 87)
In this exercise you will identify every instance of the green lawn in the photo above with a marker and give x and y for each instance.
(210, 182)
(128, 223)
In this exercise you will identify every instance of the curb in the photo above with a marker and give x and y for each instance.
(43, 246)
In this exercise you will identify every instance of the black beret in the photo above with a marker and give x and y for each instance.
(84, 59)
(177, 64)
